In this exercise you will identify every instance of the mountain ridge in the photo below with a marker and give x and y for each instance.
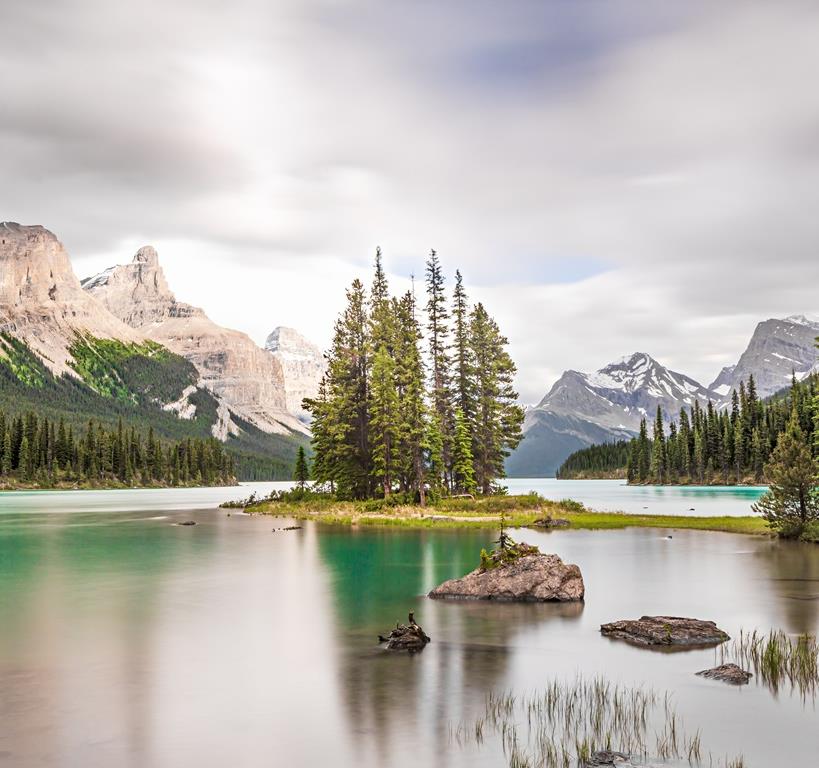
(582, 409)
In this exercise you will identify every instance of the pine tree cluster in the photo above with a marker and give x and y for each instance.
(711, 446)
(404, 413)
(36, 451)
(596, 461)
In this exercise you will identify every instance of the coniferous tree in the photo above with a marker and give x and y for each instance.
(498, 418)
(462, 358)
(791, 501)
(658, 453)
(463, 470)
(412, 433)
(301, 473)
(439, 367)
(403, 439)
(383, 419)
(644, 451)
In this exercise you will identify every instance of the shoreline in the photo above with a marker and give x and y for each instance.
(352, 515)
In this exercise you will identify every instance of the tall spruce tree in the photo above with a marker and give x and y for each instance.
(463, 470)
(791, 501)
(463, 365)
(383, 419)
(301, 473)
(412, 411)
(341, 429)
(439, 362)
(498, 419)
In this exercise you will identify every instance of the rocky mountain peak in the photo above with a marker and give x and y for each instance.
(138, 292)
(147, 255)
(248, 380)
(302, 363)
(41, 299)
(805, 320)
(779, 348)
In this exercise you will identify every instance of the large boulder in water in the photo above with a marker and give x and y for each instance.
(666, 631)
(531, 578)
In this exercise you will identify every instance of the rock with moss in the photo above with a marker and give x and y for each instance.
(666, 631)
(516, 573)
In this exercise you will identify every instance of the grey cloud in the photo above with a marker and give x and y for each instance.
(663, 157)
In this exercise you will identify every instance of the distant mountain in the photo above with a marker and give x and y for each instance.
(65, 354)
(586, 408)
(582, 409)
(42, 302)
(777, 350)
(245, 378)
(302, 363)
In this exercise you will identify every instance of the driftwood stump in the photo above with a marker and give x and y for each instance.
(406, 637)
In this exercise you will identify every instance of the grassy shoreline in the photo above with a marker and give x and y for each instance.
(486, 514)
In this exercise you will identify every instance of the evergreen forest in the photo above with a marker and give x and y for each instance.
(417, 403)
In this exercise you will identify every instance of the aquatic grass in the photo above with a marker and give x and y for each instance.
(776, 659)
(565, 723)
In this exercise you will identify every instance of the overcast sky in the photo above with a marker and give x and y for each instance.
(609, 176)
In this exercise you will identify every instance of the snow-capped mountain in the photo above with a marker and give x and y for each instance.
(621, 393)
(586, 408)
(777, 350)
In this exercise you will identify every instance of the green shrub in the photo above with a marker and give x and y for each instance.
(811, 532)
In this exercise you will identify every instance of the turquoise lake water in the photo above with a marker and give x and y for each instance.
(126, 640)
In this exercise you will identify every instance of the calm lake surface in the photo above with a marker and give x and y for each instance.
(128, 641)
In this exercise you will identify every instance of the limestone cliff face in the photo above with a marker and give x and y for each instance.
(42, 301)
(242, 375)
(302, 363)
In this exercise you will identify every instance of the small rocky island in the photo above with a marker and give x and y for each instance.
(666, 631)
(406, 637)
(516, 573)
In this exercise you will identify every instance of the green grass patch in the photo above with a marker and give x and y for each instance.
(517, 512)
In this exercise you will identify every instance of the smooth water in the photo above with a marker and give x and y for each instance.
(617, 496)
(128, 641)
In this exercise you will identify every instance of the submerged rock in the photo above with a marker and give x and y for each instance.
(606, 757)
(551, 522)
(530, 578)
(406, 637)
(727, 673)
(666, 630)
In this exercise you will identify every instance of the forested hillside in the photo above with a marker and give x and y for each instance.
(130, 383)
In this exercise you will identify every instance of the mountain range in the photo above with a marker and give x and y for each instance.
(120, 345)
(123, 338)
(586, 408)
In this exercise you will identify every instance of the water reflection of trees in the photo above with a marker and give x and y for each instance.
(392, 699)
(793, 569)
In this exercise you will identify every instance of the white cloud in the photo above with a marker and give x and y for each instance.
(609, 178)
